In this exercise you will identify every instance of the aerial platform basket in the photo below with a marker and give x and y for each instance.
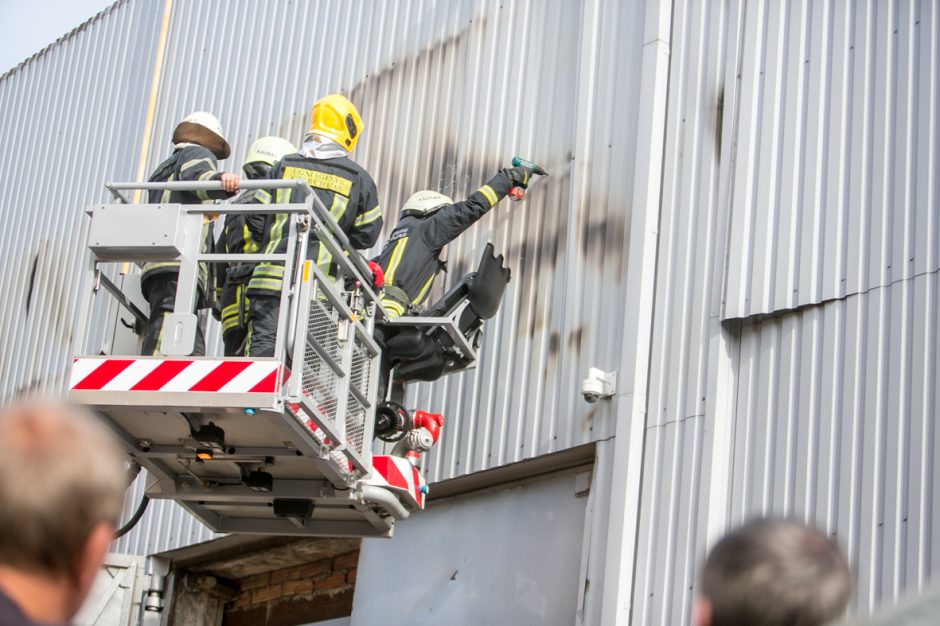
(273, 446)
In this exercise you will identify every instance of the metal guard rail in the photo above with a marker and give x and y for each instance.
(317, 212)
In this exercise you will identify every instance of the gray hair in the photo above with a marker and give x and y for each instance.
(61, 474)
(776, 573)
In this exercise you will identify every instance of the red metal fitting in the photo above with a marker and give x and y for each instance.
(432, 422)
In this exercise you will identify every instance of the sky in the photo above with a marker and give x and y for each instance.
(28, 26)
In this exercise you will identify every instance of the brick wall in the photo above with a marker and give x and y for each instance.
(310, 592)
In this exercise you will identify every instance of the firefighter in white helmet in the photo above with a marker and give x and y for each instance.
(198, 144)
(429, 221)
(411, 258)
(243, 233)
(345, 189)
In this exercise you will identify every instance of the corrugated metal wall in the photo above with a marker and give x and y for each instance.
(837, 152)
(802, 145)
(686, 342)
(836, 421)
(72, 119)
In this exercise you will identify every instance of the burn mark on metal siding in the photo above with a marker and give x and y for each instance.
(588, 421)
(540, 247)
(574, 339)
(428, 54)
(449, 170)
(44, 306)
(539, 256)
(26, 390)
(600, 239)
(31, 285)
(451, 179)
(719, 121)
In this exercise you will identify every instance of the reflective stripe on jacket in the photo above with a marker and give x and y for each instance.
(345, 189)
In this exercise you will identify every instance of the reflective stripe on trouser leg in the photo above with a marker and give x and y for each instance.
(393, 307)
(234, 318)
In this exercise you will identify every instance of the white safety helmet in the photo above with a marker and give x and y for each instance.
(424, 203)
(204, 129)
(265, 152)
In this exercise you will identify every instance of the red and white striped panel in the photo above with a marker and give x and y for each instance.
(180, 375)
(397, 473)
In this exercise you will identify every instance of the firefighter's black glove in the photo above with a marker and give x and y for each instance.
(519, 176)
(256, 223)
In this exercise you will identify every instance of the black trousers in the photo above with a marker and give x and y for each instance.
(262, 324)
(385, 365)
(160, 291)
(233, 341)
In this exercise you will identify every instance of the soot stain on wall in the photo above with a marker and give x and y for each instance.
(575, 336)
(718, 122)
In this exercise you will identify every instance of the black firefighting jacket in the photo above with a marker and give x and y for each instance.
(345, 189)
(411, 257)
(242, 234)
(189, 163)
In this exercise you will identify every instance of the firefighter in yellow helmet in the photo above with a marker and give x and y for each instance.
(345, 189)
(243, 233)
(198, 144)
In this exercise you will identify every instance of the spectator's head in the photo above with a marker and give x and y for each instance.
(62, 481)
(773, 573)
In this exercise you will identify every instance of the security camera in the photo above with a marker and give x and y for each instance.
(598, 384)
(592, 390)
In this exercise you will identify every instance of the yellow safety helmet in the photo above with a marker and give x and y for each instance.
(336, 117)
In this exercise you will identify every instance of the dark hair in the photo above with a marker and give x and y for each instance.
(776, 573)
